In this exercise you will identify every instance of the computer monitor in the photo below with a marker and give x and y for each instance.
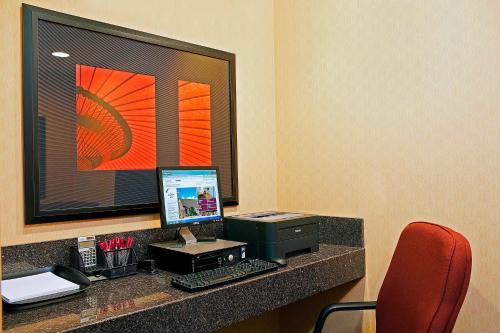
(189, 196)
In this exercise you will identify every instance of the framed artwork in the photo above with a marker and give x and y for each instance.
(105, 105)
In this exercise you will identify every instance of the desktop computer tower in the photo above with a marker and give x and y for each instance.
(197, 257)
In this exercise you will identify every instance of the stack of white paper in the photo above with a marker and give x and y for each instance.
(35, 287)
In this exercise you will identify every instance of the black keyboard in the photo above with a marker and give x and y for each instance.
(223, 275)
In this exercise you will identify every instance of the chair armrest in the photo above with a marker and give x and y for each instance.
(352, 306)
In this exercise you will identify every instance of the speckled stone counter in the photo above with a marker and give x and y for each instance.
(147, 303)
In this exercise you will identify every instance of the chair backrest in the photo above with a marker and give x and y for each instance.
(427, 280)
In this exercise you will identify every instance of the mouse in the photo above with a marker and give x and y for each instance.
(280, 261)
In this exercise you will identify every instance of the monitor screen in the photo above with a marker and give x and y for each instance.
(189, 195)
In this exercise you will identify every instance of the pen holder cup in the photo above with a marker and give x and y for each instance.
(117, 263)
(111, 264)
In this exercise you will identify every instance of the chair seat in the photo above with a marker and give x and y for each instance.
(426, 282)
(425, 285)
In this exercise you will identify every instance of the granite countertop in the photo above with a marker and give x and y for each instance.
(147, 302)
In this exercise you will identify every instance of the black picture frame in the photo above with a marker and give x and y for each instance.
(31, 16)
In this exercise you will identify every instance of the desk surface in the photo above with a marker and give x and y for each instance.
(146, 302)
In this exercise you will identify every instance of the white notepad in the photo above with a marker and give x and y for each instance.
(34, 287)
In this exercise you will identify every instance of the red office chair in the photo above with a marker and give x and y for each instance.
(425, 285)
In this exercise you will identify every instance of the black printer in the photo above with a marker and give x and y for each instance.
(274, 235)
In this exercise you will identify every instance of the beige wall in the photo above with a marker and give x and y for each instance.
(390, 111)
(245, 28)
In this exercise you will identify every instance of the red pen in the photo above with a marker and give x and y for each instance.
(102, 245)
(130, 242)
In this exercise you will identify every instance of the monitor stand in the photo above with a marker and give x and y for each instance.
(186, 238)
